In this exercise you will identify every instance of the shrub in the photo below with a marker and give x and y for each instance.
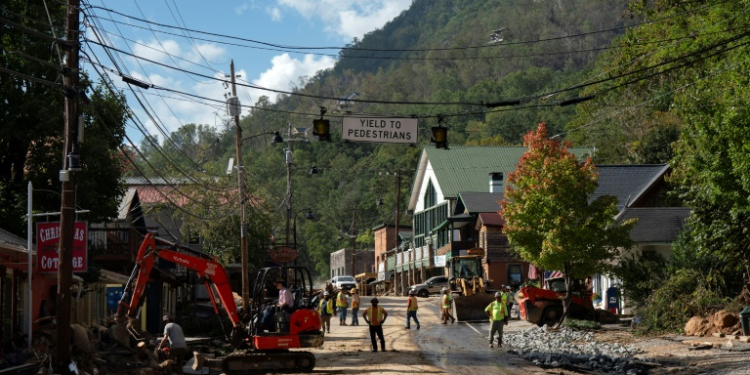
(683, 295)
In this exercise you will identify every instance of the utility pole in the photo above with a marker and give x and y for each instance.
(354, 238)
(71, 163)
(241, 187)
(400, 277)
(288, 159)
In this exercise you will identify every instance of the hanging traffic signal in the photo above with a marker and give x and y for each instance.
(439, 134)
(322, 129)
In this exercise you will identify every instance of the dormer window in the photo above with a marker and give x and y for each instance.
(430, 195)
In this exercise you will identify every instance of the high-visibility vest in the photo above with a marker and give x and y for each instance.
(329, 306)
(355, 301)
(497, 310)
(447, 301)
(412, 304)
(374, 315)
(340, 300)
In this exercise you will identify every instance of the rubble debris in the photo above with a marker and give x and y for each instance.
(566, 348)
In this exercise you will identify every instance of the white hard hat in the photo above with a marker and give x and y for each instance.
(444, 289)
(498, 294)
(326, 293)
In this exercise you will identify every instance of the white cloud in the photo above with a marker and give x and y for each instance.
(275, 14)
(349, 18)
(285, 71)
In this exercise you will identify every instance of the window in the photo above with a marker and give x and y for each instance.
(515, 274)
(430, 196)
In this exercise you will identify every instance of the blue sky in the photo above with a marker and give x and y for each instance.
(285, 22)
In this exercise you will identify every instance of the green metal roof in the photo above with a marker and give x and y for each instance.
(463, 168)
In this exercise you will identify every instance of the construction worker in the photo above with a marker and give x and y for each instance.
(355, 307)
(375, 317)
(508, 297)
(326, 311)
(411, 309)
(497, 311)
(177, 343)
(341, 306)
(446, 306)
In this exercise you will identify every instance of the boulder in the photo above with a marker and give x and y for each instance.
(725, 319)
(697, 326)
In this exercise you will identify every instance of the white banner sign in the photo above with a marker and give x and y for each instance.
(425, 252)
(398, 259)
(440, 261)
(380, 129)
(419, 253)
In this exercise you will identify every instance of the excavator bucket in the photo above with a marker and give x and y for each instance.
(471, 308)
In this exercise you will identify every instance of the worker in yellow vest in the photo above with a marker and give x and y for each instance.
(497, 311)
(446, 306)
(341, 305)
(411, 309)
(375, 317)
(326, 312)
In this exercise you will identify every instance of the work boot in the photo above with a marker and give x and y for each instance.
(444, 322)
(382, 348)
(374, 350)
(418, 327)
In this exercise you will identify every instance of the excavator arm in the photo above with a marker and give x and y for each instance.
(208, 270)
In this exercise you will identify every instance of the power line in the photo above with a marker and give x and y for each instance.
(396, 50)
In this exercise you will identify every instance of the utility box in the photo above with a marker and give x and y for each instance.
(745, 319)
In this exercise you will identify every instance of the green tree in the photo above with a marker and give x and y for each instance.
(551, 220)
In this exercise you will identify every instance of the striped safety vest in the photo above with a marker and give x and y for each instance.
(340, 300)
(447, 299)
(328, 306)
(375, 315)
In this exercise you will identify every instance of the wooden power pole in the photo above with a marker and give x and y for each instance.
(71, 163)
(241, 191)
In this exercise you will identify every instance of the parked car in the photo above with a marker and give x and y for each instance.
(433, 285)
(344, 282)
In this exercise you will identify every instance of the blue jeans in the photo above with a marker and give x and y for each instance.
(355, 319)
(409, 316)
(342, 314)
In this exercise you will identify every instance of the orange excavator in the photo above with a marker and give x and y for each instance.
(258, 348)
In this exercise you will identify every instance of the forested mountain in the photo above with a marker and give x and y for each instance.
(470, 51)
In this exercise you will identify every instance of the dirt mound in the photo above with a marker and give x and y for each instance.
(720, 322)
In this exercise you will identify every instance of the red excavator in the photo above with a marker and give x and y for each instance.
(258, 347)
(544, 306)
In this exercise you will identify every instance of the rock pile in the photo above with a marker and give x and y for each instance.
(719, 322)
(569, 348)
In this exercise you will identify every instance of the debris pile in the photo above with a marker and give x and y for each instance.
(720, 322)
(571, 349)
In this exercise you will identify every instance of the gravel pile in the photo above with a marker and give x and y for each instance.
(567, 347)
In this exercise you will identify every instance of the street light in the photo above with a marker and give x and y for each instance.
(277, 138)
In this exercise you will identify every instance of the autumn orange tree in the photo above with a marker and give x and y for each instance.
(551, 220)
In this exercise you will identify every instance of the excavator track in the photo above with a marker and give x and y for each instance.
(268, 361)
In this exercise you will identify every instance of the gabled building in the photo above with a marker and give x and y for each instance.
(441, 176)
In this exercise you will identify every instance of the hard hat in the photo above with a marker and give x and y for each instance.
(374, 300)
(280, 281)
(165, 318)
(444, 289)
(326, 293)
(412, 292)
(498, 294)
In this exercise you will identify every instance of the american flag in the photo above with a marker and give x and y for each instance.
(552, 274)
(533, 272)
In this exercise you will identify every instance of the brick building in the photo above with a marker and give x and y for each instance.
(341, 262)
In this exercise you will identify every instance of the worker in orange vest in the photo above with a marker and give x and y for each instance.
(375, 317)
(411, 309)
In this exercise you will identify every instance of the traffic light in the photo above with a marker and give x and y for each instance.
(439, 137)
(322, 128)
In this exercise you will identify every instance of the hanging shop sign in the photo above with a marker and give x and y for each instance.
(380, 129)
(48, 243)
(283, 254)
